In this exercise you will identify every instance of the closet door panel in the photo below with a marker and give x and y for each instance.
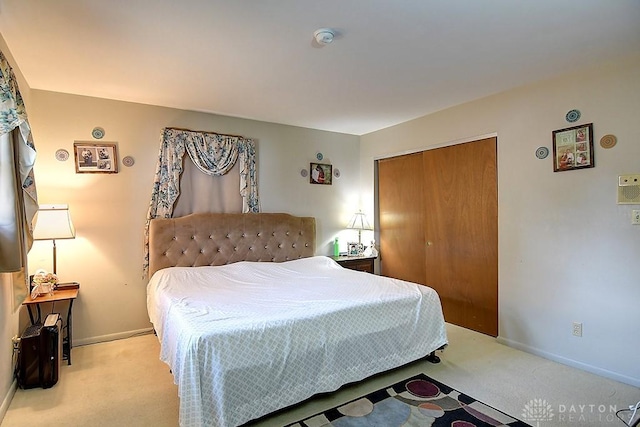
(460, 214)
(400, 204)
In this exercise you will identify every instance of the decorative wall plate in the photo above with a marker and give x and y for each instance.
(128, 161)
(608, 141)
(62, 155)
(304, 173)
(319, 156)
(542, 152)
(97, 133)
(573, 116)
(336, 172)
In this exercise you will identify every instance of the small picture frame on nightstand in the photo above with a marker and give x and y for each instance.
(353, 249)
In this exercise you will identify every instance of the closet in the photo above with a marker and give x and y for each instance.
(438, 222)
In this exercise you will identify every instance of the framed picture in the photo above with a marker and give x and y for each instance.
(573, 148)
(320, 173)
(95, 158)
(353, 249)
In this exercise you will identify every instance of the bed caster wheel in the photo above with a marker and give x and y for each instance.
(433, 358)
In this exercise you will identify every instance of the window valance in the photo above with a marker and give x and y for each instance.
(213, 154)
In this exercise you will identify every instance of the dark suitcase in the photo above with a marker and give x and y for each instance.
(40, 354)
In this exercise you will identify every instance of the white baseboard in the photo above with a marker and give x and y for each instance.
(570, 362)
(112, 337)
(7, 400)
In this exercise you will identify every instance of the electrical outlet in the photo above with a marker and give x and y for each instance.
(577, 329)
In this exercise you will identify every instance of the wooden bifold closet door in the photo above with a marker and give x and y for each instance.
(438, 213)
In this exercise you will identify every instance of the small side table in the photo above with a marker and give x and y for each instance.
(359, 263)
(65, 294)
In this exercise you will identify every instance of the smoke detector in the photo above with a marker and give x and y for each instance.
(324, 36)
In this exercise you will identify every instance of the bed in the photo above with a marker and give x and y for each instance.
(251, 321)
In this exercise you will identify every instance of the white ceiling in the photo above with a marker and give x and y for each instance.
(392, 61)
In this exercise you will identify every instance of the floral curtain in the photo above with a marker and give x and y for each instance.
(213, 154)
(18, 195)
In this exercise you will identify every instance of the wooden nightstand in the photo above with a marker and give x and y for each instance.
(69, 293)
(359, 263)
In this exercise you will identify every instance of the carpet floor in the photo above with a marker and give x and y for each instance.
(123, 383)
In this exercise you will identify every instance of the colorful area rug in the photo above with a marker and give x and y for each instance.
(415, 402)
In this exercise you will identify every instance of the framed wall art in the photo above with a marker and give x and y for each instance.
(95, 158)
(573, 148)
(320, 173)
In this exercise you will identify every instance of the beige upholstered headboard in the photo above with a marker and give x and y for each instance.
(217, 239)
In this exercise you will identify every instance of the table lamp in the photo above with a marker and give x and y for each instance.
(359, 222)
(53, 223)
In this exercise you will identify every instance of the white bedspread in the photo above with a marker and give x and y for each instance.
(249, 338)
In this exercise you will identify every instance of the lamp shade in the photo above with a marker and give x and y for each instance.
(359, 222)
(53, 222)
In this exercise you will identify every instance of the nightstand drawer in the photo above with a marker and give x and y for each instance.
(356, 263)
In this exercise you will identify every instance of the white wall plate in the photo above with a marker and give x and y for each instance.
(542, 152)
(62, 155)
(97, 133)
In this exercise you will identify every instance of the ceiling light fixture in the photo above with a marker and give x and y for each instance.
(324, 36)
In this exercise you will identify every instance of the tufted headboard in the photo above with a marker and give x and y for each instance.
(218, 238)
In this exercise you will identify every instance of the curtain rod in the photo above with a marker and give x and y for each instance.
(203, 131)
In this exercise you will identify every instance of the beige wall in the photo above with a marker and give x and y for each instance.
(567, 251)
(109, 210)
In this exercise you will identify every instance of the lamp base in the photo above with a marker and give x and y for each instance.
(55, 259)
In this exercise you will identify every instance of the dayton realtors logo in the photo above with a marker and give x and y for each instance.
(539, 411)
